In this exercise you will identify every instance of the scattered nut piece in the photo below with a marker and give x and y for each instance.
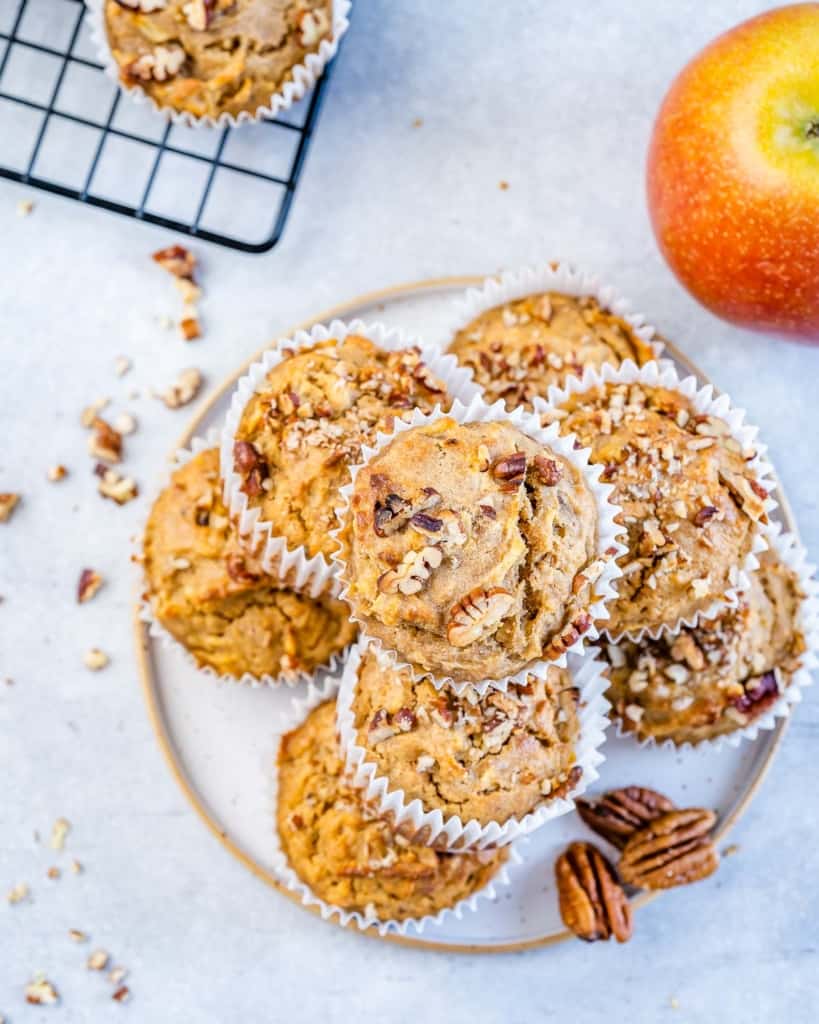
(95, 659)
(117, 975)
(198, 13)
(76, 935)
(189, 328)
(98, 960)
(162, 64)
(75, 867)
(313, 26)
(184, 390)
(177, 260)
(125, 424)
(41, 992)
(120, 489)
(57, 473)
(18, 893)
(122, 364)
(92, 411)
(59, 832)
(8, 503)
(503, 185)
(24, 207)
(122, 994)
(105, 443)
(53, 873)
(90, 583)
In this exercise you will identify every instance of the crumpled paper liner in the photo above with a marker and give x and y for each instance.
(450, 832)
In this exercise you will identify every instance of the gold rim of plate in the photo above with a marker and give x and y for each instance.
(149, 690)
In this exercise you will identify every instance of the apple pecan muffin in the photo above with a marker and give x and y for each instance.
(517, 350)
(300, 432)
(691, 501)
(719, 676)
(487, 759)
(212, 57)
(213, 598)
(349, 856)
(471, 549)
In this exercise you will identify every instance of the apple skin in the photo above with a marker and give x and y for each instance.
(733, 174)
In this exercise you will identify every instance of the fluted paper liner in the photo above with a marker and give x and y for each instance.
(158, 632)
(317, 573)
(511, 285)
(704, 402)
(449, 832)
(305, 75)
(607, 528)
(793, 554)
(300, 706)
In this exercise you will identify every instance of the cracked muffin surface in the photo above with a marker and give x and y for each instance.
(691, 504)
(486, 758)
(347, 854)
(719, 676)
(209, 57)
(471, 549)
(301, 431)
(216, 600)
(518, 349)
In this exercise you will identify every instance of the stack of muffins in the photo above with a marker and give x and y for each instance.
(542, 514)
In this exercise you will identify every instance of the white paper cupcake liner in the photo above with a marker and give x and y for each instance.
(450, 832)
(793, 554)
(293, 716)
(158, 632)
(511, 285)
(704, 402)
(607, 528)
(316, 573)
(305, 75)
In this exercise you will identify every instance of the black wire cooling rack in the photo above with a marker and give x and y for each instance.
(66, 128)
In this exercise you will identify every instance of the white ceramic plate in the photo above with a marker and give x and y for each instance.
(217, 738)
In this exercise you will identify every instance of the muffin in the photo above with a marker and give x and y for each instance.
(470, 549)
(213, 598)
(691, 500)
(212, 57)
(347, 855)
(488, 759)
(716, 677)
(518, 349)
(299, 433)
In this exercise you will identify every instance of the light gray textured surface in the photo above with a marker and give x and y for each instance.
(558, 101)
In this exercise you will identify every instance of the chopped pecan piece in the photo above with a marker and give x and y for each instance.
(706, 513)
(90, 582)
(548, 470)
(510, 470)
(177, 260)
(476, 613)
(198, 13)
(404, 719)
(618, 814)
(95, 659)
(313, 27)
(592, 902)
(161, 64)
(760, 693)
(183, 390)
(41, 992)
(105, 443)
(120, 489)
(389, 514)
(674, 849)
(237, 569)
(380, 728)
(8, 503)
(411, 575)
(189, 328)
(57, 473)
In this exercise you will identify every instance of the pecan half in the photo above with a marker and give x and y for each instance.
(674, 849)
(592, 902)
(476, 613)
(618, 814)
(510, 470)
(548, 470)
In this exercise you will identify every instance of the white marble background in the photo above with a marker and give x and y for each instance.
(557, 99)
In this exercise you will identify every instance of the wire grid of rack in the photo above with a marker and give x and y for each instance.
(66, 128)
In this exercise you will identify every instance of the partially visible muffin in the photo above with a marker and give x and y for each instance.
(345, 852)
(299, 433)
(471, 549)
(215, 599)
(719, 676)
(691, 501)
(517, 350)
(488, 758)
(212, 57)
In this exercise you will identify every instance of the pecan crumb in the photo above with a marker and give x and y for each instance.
(122, 994)
(92, 411)
(25, 207)
(125, 423)
(120, 489)
(183, 390)
(122, 364)
(59, 832)
(89, 585)
(18, 893)
(40, 992)
(189, 328)
(95, 659)
(98, 960)
(177, 260)
(8, 503)
(56, 473)
(76, 935)
(53, 873)
(105, 443)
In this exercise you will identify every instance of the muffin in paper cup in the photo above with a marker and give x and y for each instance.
(317, 570)
(784, 576)
(707, 424)
(297, 713)
(422, 822)
(593, 591)
(525, 329)
(288, 676)
(196, 15)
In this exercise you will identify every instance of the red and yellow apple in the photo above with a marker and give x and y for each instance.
(733, 174)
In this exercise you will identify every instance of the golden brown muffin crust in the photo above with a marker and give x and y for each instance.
(209, 57)
(346, 854)
(471, 549)
(299, 434)
(719, 676)
(517, 350)
(690, 503)
(486, 758)
(216, 600)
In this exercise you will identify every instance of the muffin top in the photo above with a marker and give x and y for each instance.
(300, 432)
(690, 501)
(718, 676)
(209, 57)
(471, 549)
(348, 855)
(486, 758)
(216, 600)
(517, 350)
